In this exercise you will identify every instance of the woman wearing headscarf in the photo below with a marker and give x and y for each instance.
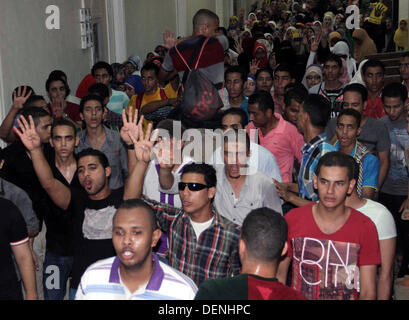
(358, 77)
(401, 36)
(260, 53)
(329, 21)
(312, 76)
(333, 38)
(363, 45)
(341, 49)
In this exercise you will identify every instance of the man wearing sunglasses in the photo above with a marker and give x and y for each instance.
(202, 244)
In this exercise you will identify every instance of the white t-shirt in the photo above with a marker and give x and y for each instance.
(199, 227)
(383, 219)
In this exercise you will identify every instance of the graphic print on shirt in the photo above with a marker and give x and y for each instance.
(397, 170)
(325, 269)
(98, 223)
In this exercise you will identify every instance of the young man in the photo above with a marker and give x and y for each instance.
(274, 133)
(205, 24)
(331, 88)
(98, 137)
(91, 207)
(103, 73)
(283, 75)
(373, 135)
(264, 80)
(202, 243)
(260, 158)
(154, 99)
(240, 187)
(312, 119)
(293, 99)
(14, 241)
(135, 273)
(235, 79)
(59, 242)
(394, 192)
(385, 225)
(347, 131)
(404, 69)
(262, 243)
(373, 72)
(334, 249)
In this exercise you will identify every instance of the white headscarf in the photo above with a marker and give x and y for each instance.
(358, 75)
(311, 68)
(341, 48)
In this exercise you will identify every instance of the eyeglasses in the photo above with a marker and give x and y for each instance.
(313, 77)
(192, 186)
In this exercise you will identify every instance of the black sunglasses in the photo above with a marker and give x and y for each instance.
(192, 186)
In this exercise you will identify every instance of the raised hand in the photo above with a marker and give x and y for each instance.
(143, 144)
(254, 67)
(27, 133)
(238, 46)
(20, 97)
(130, 126)
(169, 39)
(315, 43)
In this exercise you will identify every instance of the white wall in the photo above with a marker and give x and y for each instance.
(403, 9)
(29, 51)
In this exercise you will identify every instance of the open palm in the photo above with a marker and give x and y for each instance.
(27, 133)
(130, 126)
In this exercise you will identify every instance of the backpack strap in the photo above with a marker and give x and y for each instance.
(162, 93)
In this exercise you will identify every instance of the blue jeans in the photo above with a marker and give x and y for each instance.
(56, 271)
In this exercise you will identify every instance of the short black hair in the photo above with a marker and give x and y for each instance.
(151, 66)
(263, 99)
(99, 89)
(244, 119)
(268, 70)
(335, 58)
(358, 88)
(319, 110)
(95, 153)
(90, 97)
(236, 69)
(264, 231)
(56, 78)
(352, 113)
(405, 54)
(102, 65)
(35, 112)
(208, 172)
(136, 204)
(33, 98)
(63, 122)
(201, 14)
(337, 159)
(284, 67)
(395, 90)
(58, 74)
(373, 63)
(297, 93)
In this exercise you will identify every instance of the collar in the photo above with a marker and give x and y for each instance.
(314, 142)
(108, 135)
(216, 218)
(352, 154)
(154, 282)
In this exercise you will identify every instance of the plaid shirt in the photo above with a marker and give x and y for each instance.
(213, 255)
(311, 154)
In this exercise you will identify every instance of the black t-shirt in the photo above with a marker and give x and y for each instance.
(58, 222)
(13, 231)
(18, 169)
(92, 229)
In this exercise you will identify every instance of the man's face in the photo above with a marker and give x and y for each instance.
(231, 121)
(333, 185)
(347, 131)
(353, 100)
(291, 111)
(331, 71)
(64, 141)
(258, 117)
(92, 175)
(281, 79)
(133, 237)
(43, 128)
(404, 68)
(235, 157)
(57, 91)
(150, 81)
(394, 108)
(102, 76)
(234, 85)
(264, 81)
(92, 114)
(195, 201)
(374, 79)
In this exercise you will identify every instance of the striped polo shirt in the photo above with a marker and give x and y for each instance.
(102, 281)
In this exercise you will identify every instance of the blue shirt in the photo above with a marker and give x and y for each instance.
(311, 154)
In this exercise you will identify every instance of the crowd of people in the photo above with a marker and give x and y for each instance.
(267, 159)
